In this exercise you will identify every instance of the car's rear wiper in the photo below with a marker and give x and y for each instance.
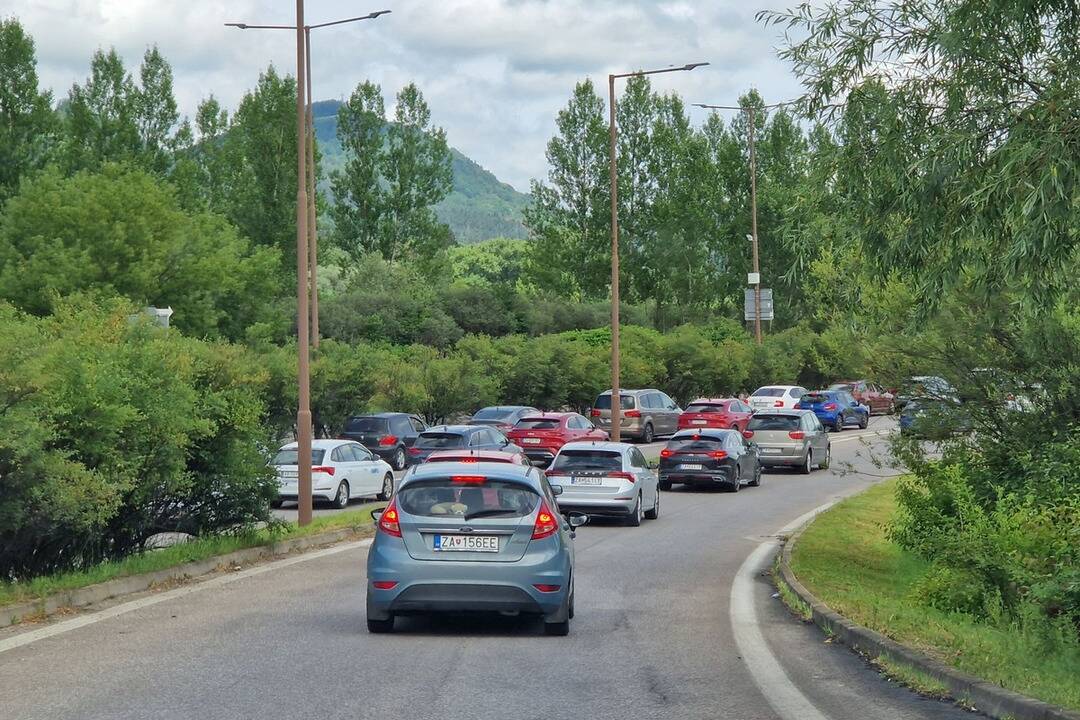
(487, 513)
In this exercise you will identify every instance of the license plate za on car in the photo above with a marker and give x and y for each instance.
(467, 543)
(690, 466)
(586, 481)
(531, 441)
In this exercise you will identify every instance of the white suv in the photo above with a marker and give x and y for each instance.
(777, 396)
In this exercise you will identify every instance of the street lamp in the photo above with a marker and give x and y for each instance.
(616, 402)
(305, 226)
(753, 236)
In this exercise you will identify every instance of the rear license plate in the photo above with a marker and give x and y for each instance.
(771, 451)
(287, 473)
(466, 543)
(531, 441)
(586, 481)
(697, 422)
(690, 466)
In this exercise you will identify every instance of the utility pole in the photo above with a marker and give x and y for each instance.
(753, 227)
(313, 244)
(303, 410)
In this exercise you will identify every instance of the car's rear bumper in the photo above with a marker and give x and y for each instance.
(698, 477)
(788, 455)
(619, 506)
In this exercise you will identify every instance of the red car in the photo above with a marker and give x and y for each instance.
(477, 456)
(716, 413)
(872, 395)
(542, 434)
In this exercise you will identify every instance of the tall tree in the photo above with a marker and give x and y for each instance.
(101, 115)
(26, 118)
(156, 114)
(358, 192)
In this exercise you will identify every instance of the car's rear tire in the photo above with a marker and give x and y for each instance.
(655, 511)
(380, 626)
(756, 482)
(808, 463)
(824, 464)
(341, 498)
(647, 434)
(838, 424)
(399, 460)
(665, 486)
(635, 517)
(864, 420)
(387, 487)
(737, 485)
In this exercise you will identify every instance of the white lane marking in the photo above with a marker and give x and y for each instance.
(876, 433)
(83, 620)
(768, 674)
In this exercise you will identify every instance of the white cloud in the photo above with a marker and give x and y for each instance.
(495, 72)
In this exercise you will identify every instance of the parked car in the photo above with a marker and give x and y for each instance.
(933, 419)
(793, 438)
(876, 398)
(458, 437)
(926, 387)
(776, 396)
(477, 456)
(605, 478)
(709, 456)
(542, 434)
(502, 417)
(389, 435)
(835, 408)
(515, 555)
(644, 414)
(716, 413)
(340, 471)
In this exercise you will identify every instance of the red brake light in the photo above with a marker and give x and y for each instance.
(796, 434)
(547, 588)
(778, 403)
(748, 434)
(388, 521)
(798, 405)
(389, 440)
(415, 451)
(595, 413)
(718, 454)
(665, 453)
(622, 475)
(468, 479)
(829, 407)
(323, 469)
(632, 413)
(546, 523)
(384, 584)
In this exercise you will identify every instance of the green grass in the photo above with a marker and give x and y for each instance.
(846, 561)
(200, 549)
(912, 677)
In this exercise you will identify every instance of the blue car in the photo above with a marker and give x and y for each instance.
(473, 537)
(835, 408)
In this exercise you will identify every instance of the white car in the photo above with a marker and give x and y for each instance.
(340, 471)
(776, 396)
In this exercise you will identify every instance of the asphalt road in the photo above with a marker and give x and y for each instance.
(673, 621)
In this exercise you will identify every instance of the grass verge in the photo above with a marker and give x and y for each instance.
(199, 549)
(845, 559)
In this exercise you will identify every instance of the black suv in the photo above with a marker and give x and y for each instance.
(389, 435)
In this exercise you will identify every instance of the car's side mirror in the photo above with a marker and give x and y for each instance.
(556, 490)
(576, 520)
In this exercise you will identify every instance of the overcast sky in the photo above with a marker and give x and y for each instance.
(495, 72)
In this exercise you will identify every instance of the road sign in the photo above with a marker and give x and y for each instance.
(766, 304)
(753, 278)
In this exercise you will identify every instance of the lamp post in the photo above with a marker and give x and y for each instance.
(753, 237)
(304, 179)
(616, 402)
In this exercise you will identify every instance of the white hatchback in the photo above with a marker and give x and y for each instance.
(340, 471)
(776, 396)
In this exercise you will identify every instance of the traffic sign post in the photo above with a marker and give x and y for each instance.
(749, 296)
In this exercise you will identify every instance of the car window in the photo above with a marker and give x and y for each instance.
(365, 425)
(336, 455)
(626, 402)
(417, 424)
(797, 392)
(768, 392)
(606, 460)
(442, 497)
(439, 440)
(688, 443)
(345, 452)
(637, 459)
(287, 456)
(528, 423)
(361, 453)
(704, 408)
(668, 402)
(773, 422)
(401, 425)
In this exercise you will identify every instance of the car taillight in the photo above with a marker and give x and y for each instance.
(388, 440)
(323, 469)
(798, 406)
(665, 453)
(796, 434)
(388, 521)
(718, 454)
(384, 584)
(415, 451)
(546, 523)
(778, 403)
(544, 588)
(622, 476)
(595, 413)
(748, 434)
(829, 407)
(632, 413)
(468, 479)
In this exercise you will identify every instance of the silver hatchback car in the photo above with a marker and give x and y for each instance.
(472, 537)
(795, 438)
(606, 478)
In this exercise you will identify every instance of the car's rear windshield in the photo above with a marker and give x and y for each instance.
(606, 460)
(492, 498)
(704, 442)
(366, 425)
(288, 457)
(439, 440)
(769, 392)
(814, 398)
(626, 402)
(705, 408)
(494, 413)
(774, 422)
(537, 424)
(841, 386)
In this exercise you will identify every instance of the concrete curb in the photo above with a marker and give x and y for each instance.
(985, 697)
(129, 584)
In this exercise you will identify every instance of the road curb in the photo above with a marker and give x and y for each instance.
(985, 697)
(129, 584)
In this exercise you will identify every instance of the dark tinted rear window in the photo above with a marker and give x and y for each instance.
(841, 386)
(705, 408)
(704, 443)
(288, 457)
(439, 440)
(814, 398)
(606, 460)
(769, 392)
(604, 402)
(774, 422)
(366, 425)
(537, 424)
(493, 414)
(440, 498)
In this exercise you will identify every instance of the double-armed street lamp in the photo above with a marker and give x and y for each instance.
(307, 317)
(616, 401)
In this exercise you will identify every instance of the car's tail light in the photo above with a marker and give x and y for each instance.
(323, 469)
(778, 403)
(389, 440)
(718, 454)
(622, 476)
(384, 584)
(798, 406)
(468, 479)
(748, 434)
(547, 588)
(632, 413)
(829, 407)
(415, 451)
(546, 523)
(796, 434)
(388, 521)
(595, 413)
(665, 453)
